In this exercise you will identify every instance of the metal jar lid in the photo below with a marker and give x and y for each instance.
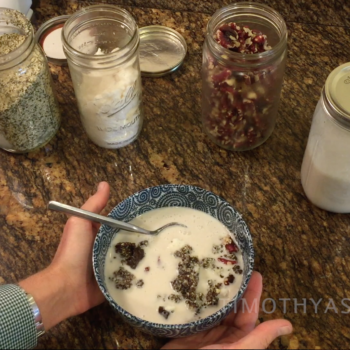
(336, 94)
(49, 38)
(162, 50)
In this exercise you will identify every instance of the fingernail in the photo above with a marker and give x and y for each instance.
(285, 330)
(100, 187)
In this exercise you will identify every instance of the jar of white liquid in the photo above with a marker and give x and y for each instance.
(101, 43)
(325, 172)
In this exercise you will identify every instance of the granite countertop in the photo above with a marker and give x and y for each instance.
(301, 251)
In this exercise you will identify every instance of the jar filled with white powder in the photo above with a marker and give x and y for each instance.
(325, 172)
(101, 43)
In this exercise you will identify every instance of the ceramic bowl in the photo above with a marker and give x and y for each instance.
(175, 196)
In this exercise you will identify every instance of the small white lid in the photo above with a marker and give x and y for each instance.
(337, 91)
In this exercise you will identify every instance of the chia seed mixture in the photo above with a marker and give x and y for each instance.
(29, 114)
(17, 19)
(130, 253)
(122, 278)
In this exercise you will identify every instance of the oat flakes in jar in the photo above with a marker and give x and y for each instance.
(244, 57)
(325, 171)
(101, 43)
(29, 112)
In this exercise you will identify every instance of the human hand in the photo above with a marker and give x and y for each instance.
(238, 330)
(68, 287)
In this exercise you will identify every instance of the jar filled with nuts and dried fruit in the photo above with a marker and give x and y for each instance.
(29, 112)
(244, 58)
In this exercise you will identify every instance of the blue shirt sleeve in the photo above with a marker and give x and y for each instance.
(17, 324)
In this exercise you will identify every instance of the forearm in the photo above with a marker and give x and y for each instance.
(49, 293)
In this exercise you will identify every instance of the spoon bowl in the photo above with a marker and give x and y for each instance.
(105, 220)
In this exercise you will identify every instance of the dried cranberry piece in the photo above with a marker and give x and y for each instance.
(221, 77)
(229, 32)
(259, 39)
(227, 37)
(220, 37)
(228, 89)
(231, 248)
(227, 261)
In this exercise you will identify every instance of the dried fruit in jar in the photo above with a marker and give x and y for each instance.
(241, 39)
(239, 101)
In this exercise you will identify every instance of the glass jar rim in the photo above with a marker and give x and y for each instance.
(110, 58)
(17, 55)
(241, 57)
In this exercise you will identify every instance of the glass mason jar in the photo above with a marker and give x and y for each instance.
(241, 91)
(101, 43)
(29, 112)
(325, 171)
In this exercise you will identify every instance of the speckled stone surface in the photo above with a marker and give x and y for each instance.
(301, 251)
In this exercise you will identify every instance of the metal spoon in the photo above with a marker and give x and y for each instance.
(105, 219)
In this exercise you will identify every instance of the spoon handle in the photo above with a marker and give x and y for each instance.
(95, 217)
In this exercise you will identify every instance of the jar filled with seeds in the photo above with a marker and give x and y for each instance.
(29, 113)
(244, 59)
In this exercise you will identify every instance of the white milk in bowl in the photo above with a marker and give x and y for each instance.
(180, 276)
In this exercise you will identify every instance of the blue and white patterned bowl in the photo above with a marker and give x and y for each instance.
(175, 196)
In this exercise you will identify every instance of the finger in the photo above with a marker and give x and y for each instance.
(263, 335)
(248, 309)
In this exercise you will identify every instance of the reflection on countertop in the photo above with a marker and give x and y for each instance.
(301, 251)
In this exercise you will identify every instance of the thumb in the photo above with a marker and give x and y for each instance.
(99, 200)
(95, 204)
(264, 334)
(79, 234)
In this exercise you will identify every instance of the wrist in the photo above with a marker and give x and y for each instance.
(39, 326)
(49, 293)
